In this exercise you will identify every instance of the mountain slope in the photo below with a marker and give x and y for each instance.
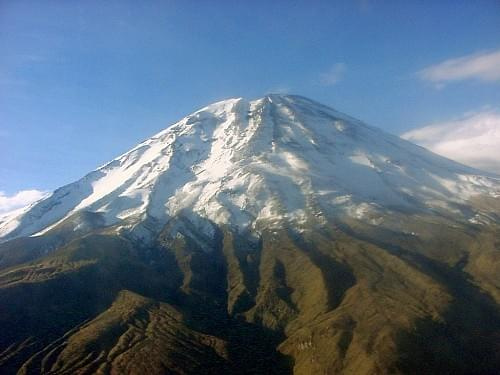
(267, 236)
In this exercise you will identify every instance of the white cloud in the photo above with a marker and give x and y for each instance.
(483, 66)
(333, 75)
(18, 200)
(473, 140)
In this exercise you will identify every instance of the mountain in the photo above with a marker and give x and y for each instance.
(268, 236)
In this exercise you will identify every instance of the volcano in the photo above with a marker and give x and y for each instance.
(268, 236)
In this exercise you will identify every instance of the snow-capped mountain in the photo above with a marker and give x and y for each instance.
(261, 162)
(274, 236)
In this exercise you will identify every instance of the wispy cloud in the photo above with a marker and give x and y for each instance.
(18, 200)
(482, 66)
(473, 139)
(333, 75)
(279, 90)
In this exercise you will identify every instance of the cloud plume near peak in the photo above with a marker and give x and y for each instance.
(472, 140)
(333, 75)
(9, 203)
(482, 66)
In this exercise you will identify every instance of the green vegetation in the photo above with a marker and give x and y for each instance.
(346, 298)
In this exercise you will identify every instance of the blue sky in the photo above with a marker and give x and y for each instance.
(82, 82)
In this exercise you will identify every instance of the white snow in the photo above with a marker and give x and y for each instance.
(361, 159)
(262, 162)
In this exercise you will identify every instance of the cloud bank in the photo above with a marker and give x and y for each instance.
(483, 67)
(473, 140)
(20, 199)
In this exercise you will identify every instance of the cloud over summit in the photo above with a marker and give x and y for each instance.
(333, 75)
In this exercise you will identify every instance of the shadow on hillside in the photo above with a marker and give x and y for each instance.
(466, 341)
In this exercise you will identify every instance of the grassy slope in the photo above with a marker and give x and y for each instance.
(349, 298)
